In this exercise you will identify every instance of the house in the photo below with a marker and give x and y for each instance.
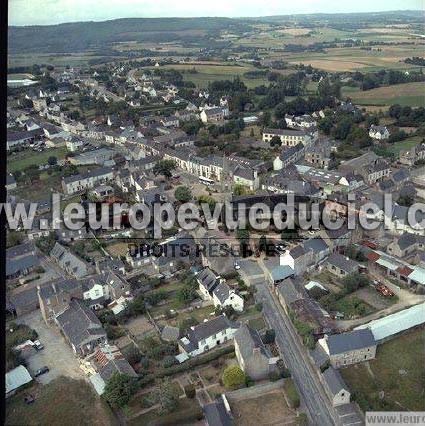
(214, 114)
(15, 140)
(319, 154)
(288, 294)
(69, 262)
(21, 260)
(108, 264)
(170, 121)
(246, 177)
(340, 265)
(349, 348)
(399, 221)
(10, 182)
(288, 137)
(207, 281)
(218, 413)
(16, 378)
(96, 156)
(289, 156)
(318, 248)
(379, 132)
(406, 244)
(225, 296)
(55, 297)
(376, 171)
(81, 328)
(74, 144)
(107, 360)
(337, 239)
(335, 387)
(252, 355)
(304, 121)
(277, 273)
(411, 156)
(81, 182)
(206, 336)
(297, 258)
(354, 165)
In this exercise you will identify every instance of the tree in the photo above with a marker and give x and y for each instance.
(165, 395)
(52, 160)
(233, 377)
(183, 194)
(262, 244)
(119, 389)
(275, 141)
(186, 295)
(269, 336)
(164, 167)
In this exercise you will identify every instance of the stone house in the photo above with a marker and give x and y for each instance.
(252, 355)
(335, 387)
(340, 265)
(349, 348)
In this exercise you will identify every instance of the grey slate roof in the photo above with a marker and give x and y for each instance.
(342, 263)
(216, 414)
(15, 266)
(222, 291)
(351, 341)
(121, 366)
(334, 381)
(249, 339)
(170, 334)
(288, 291)
(406, 240)
(208, 279)
(316, 245)
(80, 324)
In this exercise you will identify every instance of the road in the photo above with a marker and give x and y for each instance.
(318, 407)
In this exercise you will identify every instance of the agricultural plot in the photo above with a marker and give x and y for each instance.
(410, 94)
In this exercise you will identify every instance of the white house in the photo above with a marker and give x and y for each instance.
(208, 335)
(379, 132)
(224, 296)
(335, 387)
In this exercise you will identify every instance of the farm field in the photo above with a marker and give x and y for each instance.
(410, 94)
(397, 373)
(207, 73)
(63, 401)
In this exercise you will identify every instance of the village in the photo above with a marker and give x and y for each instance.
(282, 322)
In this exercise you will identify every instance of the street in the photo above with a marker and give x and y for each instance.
(318, 407)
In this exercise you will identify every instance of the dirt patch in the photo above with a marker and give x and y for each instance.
(268, 409)
(139, 326)
(117, 249)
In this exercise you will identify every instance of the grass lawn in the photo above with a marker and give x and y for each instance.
(61, 402)
(23, 159)
(408, 143)
(41, 190)
(410, 94)
(199, 314)
(398, 371)
(188, 411)
(257, 323)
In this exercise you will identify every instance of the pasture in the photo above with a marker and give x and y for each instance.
(410, 94)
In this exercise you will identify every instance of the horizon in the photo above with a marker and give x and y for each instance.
(23, 13)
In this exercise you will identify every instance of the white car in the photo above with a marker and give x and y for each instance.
(237, 266)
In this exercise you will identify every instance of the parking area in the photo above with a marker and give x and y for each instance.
(57, 354)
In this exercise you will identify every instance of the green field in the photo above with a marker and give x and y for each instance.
(61, 402)
(410, 94)
(207, 73)
(20, 160)
(398, 371)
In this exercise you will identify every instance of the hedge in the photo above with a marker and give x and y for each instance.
(188, 365)
(292, 393)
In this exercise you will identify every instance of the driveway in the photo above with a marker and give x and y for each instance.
(57, 354)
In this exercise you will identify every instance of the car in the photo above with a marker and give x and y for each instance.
(237, 266)
(38, 345)
(42, 370)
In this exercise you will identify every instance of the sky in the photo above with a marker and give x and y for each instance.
(45, 12)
